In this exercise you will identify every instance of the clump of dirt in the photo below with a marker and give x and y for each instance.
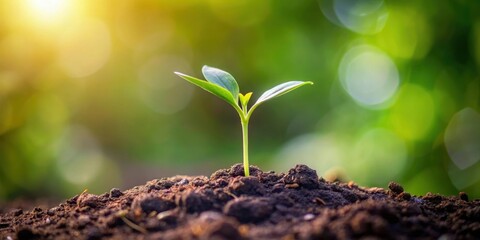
(266, 205)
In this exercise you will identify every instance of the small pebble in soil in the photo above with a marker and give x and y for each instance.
(88, 200)
(308, 217)
(303, 176)
(463, 196)
(183, 181)
(148, 203)
(115, 193)
(395, 187)
(51, 212)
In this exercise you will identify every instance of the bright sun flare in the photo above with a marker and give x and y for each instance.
(49, 10)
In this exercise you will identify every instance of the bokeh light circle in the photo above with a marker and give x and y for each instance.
(84, 48)
(413, 113)
(364, 17)
(368, 75)
(407, 35)
(462, 138)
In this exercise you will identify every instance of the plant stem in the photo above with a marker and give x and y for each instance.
(245, 147)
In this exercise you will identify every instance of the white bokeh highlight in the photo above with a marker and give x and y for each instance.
(462, 138)
(364, 17)
(368, 75)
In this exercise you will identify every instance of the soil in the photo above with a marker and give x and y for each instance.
(266, 205)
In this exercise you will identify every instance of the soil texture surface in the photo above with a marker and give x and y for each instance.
(267, 205)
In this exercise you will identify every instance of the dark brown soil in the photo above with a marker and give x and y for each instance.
(266, 205)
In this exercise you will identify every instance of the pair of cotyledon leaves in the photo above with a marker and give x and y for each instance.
(223, 85)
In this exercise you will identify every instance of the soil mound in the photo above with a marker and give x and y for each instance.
(266, 205)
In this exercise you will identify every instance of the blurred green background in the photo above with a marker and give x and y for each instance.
(88, 98)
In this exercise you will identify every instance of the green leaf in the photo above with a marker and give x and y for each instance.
(211, 87)
(280, 90)
(245, 98)
(222, 79)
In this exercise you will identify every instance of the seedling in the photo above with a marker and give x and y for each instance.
(223, 85)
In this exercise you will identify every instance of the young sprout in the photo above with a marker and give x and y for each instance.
(223, 85)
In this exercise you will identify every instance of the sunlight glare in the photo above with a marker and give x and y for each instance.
(48, 10)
